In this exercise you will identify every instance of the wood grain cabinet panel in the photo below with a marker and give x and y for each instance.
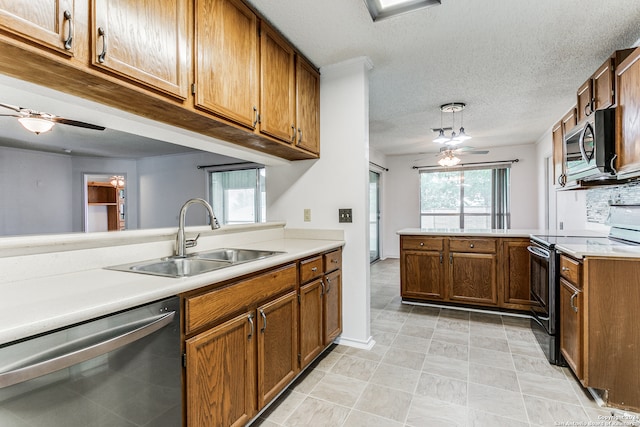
(307, 106)
(558, 155)
(277, 324)
(332, 306)
(144, 41)
(517, 292)
(226, 75)
(472, 278)
(311, 329)
(221, 374)
(628, 116)
(571, 325)
(48, 23)
(277, 87)
(422, 274)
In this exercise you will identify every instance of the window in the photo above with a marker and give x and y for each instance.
(238, 196)
(465, 198)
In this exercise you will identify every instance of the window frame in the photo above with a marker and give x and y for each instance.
(258, 205)
(499, 215)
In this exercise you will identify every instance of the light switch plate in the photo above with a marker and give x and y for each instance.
(307, 215)
(345, 215)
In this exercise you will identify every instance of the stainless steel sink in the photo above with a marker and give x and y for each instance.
(196, 263)
(234, 256)
(173, 267)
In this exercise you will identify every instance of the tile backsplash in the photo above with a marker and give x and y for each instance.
(599, 198)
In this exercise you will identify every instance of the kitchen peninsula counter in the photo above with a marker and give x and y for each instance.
(43, 291)
(468, 232)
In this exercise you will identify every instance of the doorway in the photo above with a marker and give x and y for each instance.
(104, 206)
(374, 216)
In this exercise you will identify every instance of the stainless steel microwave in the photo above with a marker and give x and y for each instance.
(590, 148)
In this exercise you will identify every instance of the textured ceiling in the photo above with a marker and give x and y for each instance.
(515, 63)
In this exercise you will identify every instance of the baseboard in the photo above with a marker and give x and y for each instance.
(364, 345)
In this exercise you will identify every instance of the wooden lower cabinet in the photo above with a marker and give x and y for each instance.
(422, 275)
(472, 278)
(332, 305)
(571, 323)
(220, 374)
(311, 314)
(481, 271)
(277, 324)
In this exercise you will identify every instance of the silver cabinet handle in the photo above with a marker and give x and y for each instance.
(614, 171)
(102, 33)
(264, 321)
(256, 116)
(81, 350)
(471, 245)
(450, 258)
(323, 288)
(440, 257)
(314, 269)
(299, 135)
(573, 297)
(69, 40)
(586, 109)
(250, 318)
(293, 137)
(421, 243)
(328, 285)
(565, 268)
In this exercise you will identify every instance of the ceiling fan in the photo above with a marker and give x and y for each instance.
(39, 122)
(449, 155)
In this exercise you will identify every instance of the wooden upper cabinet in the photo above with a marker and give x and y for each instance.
(144, 41)
(570, 120)
(628, 116)
(307, 106)
(47, 23)
(558, 154)
(603, 86)
(277, 88)
(585, 105)
(226, 45)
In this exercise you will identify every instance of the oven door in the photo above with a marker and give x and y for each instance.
(540, 260)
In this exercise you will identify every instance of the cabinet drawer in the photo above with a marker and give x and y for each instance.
(457, 244)
(570, 269)
(220, 303)
(423, 243)
(333, 260)
(310, 269)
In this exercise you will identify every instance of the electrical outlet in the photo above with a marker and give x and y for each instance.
(307, 215)
(344, 215)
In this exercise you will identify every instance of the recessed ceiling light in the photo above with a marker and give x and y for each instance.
(380, 9)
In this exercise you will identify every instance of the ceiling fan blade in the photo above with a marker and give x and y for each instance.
(11, 115)
(76, 123)
(12, 107)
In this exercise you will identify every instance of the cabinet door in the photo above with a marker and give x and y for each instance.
(226, 35)
(558, 154)
(569, 121)
(277, 346)
(585, 95)
(421, 275)
(221, 374)
(603, 86)
(308, 106)
(311, 335)
(332, 306)
(628, 116)
(48, 23)
(472, 278)
(277, 86)
(571, 326)
(144, 41)
(516, 273)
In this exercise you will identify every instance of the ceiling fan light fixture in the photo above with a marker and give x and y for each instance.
(448, 161)
(117, 181)
(36, 125)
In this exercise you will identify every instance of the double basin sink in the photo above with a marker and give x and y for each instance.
(197, 263)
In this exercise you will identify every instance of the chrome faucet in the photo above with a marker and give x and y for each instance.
(181, 243)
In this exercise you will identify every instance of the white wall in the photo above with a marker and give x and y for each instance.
(402, 190)
(339, 179)
(166, 182)
(35, 192)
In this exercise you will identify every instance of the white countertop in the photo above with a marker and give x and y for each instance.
(45, 302)
(469, 232)
(594, 249)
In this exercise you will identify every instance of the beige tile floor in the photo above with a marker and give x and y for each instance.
(434, 367)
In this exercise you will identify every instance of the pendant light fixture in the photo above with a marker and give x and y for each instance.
(454, 139)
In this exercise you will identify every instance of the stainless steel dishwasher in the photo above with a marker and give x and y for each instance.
(121, 370)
